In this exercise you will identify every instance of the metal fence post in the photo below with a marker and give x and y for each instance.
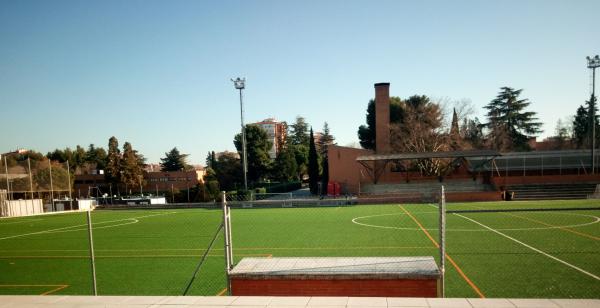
(92, 255)
(227, 238)
(442, 230)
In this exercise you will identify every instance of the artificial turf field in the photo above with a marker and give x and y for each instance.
(155, 252)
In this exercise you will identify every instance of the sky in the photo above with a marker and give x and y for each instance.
(157, 73)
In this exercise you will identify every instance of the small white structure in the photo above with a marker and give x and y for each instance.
(158, 200)
(86, 204)
(17, 208)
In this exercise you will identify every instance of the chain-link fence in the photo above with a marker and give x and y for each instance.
(172, 251)
(50, 182)
(45, 255)
(526, 249)
(495, 249)
(309, 235)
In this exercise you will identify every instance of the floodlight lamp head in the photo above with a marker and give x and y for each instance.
(239, 83)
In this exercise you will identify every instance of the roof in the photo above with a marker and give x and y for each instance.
(449, 154)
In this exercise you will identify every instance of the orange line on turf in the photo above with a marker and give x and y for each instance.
(550, 225)
(237, 249)
(222, 292)
(58, 287)
(460, 272)
(127, 256)
(558, 227)
(55, 290)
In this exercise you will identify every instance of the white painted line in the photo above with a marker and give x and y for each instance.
(531, 247)
(69, 228)
(595, 220)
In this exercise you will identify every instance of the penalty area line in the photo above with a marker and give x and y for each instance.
(531, 247)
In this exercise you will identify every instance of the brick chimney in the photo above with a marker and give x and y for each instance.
(382, 118)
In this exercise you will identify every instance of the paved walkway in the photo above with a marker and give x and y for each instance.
(54, 301)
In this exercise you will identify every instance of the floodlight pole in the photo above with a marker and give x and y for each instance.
(593, 63)
(7, 184)
(240, 84)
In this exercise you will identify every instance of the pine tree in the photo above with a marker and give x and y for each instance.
(96, 157)
(313, 165)
(509, 124)
(113, 161)
(580, 124)
(286, 168)
(174, 161)
(325, 140)
(298, 133)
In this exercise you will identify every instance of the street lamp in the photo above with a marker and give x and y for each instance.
(240, 84)
(593, 63)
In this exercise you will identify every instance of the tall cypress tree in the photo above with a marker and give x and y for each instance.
(455, 138)
(132, 169)
(580, 125)
(313, 165)
(113, 161)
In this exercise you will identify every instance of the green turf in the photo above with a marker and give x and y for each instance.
(155, 252)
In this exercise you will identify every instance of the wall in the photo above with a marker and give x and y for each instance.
(329, 287)
(545, 179)
(344, 169)
(161, 181)
(16, 208)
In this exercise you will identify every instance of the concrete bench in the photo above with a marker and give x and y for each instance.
(333, 276)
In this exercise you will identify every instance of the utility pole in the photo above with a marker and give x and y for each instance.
(593, 63)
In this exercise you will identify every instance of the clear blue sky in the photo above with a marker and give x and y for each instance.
(156, 73)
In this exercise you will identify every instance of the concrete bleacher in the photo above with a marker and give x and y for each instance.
(423, 191)
(561, 191)
(462, 185)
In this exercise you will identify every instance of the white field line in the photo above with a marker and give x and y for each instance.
(18, 222)
(75, 226)
(531, 247)
(355, 220)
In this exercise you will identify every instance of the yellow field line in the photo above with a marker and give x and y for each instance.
(458, 269)
(58, 287)
(549, 225)
(54, 290)
(557, 227)
(222, 292)
(128, 256)
(237, 249)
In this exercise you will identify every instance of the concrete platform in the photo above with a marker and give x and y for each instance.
(337, 268)
(336, 276)
(55, 301)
